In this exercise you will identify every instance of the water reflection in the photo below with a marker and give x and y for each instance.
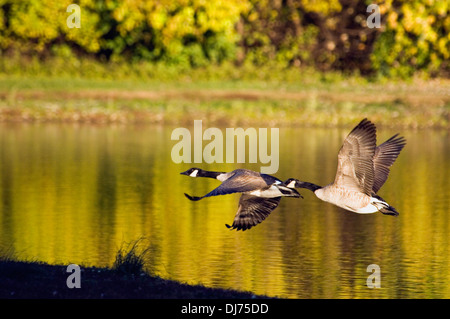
(75, 194)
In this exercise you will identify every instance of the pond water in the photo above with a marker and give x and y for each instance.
(78, 193)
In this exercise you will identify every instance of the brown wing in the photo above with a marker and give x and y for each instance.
(385, 156)
(252, 211)
(355, 169)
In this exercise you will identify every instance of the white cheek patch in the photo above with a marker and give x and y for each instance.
(291, 184)
(194, 173)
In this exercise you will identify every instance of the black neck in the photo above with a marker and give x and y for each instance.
(312, 187)
(209, 174)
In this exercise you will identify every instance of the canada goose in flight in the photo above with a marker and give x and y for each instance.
(362, 169)
(261, 193)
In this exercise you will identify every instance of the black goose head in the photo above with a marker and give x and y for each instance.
(295, 183)
(193, 172)
(292, 183)
(198, 172)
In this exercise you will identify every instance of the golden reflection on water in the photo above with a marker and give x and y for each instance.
(76, 194)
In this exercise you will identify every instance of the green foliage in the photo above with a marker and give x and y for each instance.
(416, 37)
(31, 26)
(331, 35)
(189, 32)
(275, 33)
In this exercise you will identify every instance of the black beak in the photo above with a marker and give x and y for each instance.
(184, 173)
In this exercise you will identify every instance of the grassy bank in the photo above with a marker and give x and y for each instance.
(127, 278)
(297, 100)
(32, 280)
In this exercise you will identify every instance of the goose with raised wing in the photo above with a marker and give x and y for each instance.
(261, 193)
(362, 169)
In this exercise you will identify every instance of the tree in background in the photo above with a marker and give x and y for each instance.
(334, 35)
(184, 31)
(326, 35)
(415, 36)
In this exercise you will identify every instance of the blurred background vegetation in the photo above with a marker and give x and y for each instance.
(324, 35)
(293, 62)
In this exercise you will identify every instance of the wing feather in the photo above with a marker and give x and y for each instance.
(385, 156)
(253, 210)
(355, 169)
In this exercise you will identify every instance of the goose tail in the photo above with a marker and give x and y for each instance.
(389, 210)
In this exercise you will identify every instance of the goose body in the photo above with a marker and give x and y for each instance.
(350, 200)
(261, 193)
(362, 169)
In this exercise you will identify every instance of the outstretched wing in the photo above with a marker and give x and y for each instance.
(238, 183)
(253, 210)
(355, 169)
(385, 156)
